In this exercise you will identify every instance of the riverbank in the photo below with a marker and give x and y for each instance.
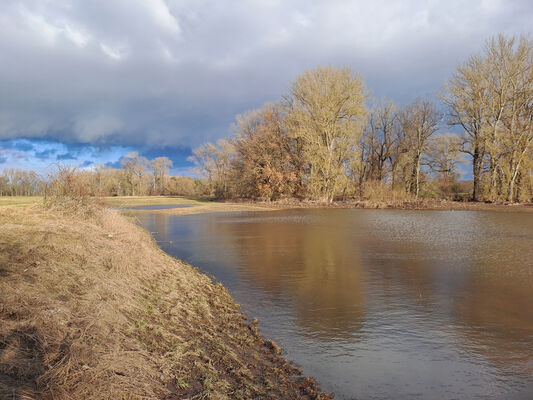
(199, 206)
(90, 307)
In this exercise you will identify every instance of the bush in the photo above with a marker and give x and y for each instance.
(65, 191)
(382, 191)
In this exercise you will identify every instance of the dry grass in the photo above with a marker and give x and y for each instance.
(392, 203)
(435, 204)
(91, 308)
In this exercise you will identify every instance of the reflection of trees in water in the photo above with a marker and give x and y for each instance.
(495, 318)
(493, 311)
(485, 294)
(156, 224)
(162, 223)
(338, 275)
(314, 265)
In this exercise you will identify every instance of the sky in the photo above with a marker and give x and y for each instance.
(87, 81)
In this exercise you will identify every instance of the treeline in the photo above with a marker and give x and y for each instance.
(322, 142)
(18, 182)
(137, 176)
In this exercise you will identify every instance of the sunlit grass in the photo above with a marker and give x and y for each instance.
(132, 201)
(20, 200)
(92, 308)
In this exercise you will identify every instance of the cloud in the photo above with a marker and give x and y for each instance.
(86, 164)
(92, 128)
(84, 72)
(40, 154)
(65, 156)
(45, 154)
(113, 164)
(18, 144)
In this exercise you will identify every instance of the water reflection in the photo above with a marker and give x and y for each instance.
(379, 304)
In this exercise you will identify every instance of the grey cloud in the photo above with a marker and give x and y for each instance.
(172, 74)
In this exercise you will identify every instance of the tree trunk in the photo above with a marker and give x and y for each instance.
(415, 176)
(476, 172)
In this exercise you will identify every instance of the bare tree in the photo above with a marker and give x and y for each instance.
(443, 156)
(160, 168)
(135, 167)
(380, 138)
(466, 97)
(491, 97)
(214, 163)
(419, 121)
(326, 110)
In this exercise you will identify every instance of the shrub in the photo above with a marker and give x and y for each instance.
(65, 191)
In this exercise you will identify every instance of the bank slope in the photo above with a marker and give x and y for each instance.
(91, 308)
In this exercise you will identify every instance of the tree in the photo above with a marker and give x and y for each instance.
(419, 121)
(380, 138)
(443, 157)
(160, 168)
(466, 96)
(135, 168)
(512, 72)
(491, 97)
(326, 110)
(268, 162)
(214, 162)
(18, 182)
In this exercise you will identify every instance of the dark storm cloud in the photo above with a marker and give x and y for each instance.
(157, 74)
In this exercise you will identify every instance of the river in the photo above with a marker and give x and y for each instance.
(379, 304)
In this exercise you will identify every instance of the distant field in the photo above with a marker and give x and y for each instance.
(117, 201)
(132, 201)
(19, 200)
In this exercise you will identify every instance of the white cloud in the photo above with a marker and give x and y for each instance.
(162, 15)
(76, 36)
(36, 23)
(116, 53)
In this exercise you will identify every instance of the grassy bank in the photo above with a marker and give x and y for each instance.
(205, 205)
(199, 206)
(90, 307)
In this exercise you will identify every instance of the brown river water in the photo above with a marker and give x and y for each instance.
(379, 304)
